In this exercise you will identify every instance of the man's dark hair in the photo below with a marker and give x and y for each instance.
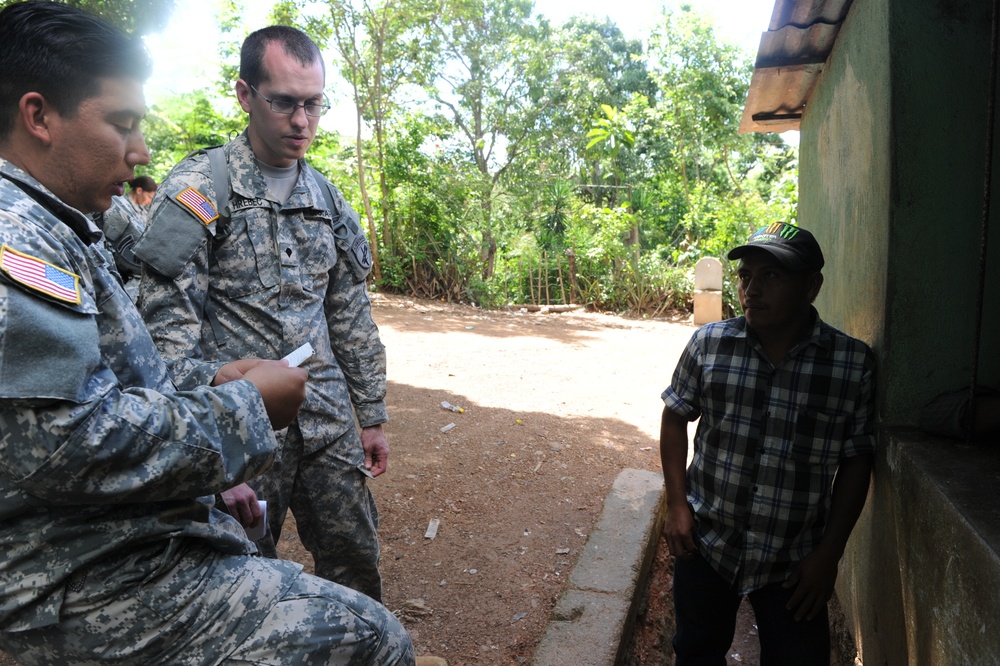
(295, 42)
(144, 182)
(62, 53)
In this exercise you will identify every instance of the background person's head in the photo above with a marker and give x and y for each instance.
(142, 189)
(281, 83)
(71, 101)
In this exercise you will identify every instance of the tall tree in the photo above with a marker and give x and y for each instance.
(610, 133)
(383, 47)
(596, 66)
(493, 79)
(703, 83)
(705, 171)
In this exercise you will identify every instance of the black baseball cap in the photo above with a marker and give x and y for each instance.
(795, 248)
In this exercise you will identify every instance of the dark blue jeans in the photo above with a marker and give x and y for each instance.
(706, 606)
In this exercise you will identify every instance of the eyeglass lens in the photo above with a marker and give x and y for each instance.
(288, 107)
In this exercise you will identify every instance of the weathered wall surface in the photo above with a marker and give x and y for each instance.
(893, 146)
(845, 171)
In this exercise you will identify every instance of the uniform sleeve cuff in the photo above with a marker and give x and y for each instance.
(372, 414)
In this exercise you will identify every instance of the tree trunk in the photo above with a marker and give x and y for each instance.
(387, 235)
(574, 288)
(373, 237)
(488, 254)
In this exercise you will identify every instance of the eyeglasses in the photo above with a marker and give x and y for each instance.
(288, 107)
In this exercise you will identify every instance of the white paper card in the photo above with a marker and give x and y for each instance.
(296, 357)
(257, 532)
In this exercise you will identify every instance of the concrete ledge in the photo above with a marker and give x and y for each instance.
(922, 570)
(593, 618)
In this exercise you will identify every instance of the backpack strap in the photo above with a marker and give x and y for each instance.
(168, 243)
(223, 192)
(347, 233)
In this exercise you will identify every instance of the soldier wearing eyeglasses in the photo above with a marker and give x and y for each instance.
(257, 261)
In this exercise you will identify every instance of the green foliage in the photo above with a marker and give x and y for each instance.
(509, 161)
(182, 123)
(593, 65)
(611, 130)
(610, 204)
(139, 17)
(431, 197)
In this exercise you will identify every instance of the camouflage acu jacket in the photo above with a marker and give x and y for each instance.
(260, 285)
(122, 224)
(99, 454)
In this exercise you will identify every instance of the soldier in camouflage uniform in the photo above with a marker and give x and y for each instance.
(111, 550)
(122, 224)
(276, 262)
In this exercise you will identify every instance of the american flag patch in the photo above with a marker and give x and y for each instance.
(203, 209)
(40, 276)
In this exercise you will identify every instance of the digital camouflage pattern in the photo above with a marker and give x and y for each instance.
(313, 621)
(122, 225)
(107, 473)
(270, 285)
(261, 284)
(86, 406)
(335, 513)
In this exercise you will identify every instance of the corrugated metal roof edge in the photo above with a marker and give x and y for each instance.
(790, 59)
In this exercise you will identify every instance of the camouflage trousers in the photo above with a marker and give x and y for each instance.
(334, 510)
(210, 609)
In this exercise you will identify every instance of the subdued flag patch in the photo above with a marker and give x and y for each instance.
(41, 276)
(194, 201)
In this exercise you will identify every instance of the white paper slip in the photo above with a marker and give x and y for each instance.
(257, 532)
(296, 357)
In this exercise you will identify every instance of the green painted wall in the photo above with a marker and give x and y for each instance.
(891, 181)
(844, 176)
(845, 197)
(940, 72)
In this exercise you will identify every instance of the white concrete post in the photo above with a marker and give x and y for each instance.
(707, 291)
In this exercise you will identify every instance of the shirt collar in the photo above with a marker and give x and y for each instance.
(819, 334)
(82, 224)
(305, 194)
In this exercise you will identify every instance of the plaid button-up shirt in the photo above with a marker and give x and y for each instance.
(769, 442)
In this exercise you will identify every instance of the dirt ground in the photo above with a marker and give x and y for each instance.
(554, 407)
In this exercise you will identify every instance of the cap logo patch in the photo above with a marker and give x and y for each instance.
(40, 276)
(788, 231)
(774, 232)
(195, 202)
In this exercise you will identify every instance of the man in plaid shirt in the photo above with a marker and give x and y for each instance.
(782, 459)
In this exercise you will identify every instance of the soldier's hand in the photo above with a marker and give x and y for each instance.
(234, 370)
(376, 447)
(282, 388)
(241, 501)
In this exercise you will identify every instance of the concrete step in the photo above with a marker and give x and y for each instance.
(592, 621)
